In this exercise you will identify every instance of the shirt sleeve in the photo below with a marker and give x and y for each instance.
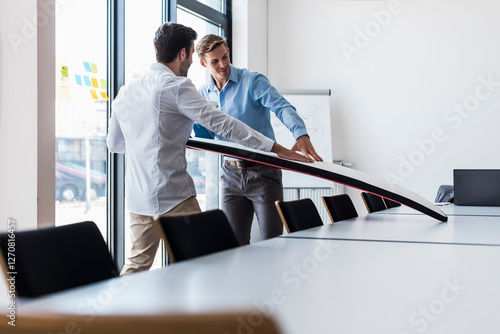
(115, 139)
(192, 104)
(270, 98)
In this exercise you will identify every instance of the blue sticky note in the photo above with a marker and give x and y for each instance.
(87, 81)
(86, 64)
(78, 78)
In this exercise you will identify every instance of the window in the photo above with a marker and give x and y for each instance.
(81, 112)
(215, 4)
(142, 18)
(202, 166)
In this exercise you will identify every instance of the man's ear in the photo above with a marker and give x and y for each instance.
(182, 54)
(202, 63)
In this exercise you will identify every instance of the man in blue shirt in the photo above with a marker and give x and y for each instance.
(248, 187)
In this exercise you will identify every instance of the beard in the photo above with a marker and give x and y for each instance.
(184, 67)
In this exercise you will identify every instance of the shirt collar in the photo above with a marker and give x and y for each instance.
(234, 75)
(161, 67)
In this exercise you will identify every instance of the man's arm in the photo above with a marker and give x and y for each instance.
(115, 139)
(192, 104)
(286, 113)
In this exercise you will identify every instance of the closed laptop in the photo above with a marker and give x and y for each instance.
(477, 187)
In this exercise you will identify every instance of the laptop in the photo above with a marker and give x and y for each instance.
(477, 187)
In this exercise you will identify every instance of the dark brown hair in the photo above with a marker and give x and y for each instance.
(170, 39)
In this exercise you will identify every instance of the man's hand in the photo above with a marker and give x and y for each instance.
(289, 154)
(304, 145)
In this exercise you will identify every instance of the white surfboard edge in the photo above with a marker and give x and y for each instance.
(326, 170)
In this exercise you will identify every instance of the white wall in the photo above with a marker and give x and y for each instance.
(250, 35)
(406, 68)
(25, 61)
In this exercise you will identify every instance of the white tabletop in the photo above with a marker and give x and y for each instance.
(449, 210)
(315, 286)
(481, 230)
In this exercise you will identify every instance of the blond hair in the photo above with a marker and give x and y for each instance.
(209, 43)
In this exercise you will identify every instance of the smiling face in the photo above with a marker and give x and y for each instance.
(219, 64)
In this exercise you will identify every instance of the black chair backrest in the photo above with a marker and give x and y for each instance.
(52, 259)
(339, 207)
(189, 236)
(299, 215)
(391, 204)
(373, 202)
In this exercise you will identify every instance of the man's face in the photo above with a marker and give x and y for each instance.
(186, 63)
(218, 63)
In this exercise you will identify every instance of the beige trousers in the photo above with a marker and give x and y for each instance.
(145, 236)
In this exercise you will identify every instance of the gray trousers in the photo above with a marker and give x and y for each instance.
(246, 191)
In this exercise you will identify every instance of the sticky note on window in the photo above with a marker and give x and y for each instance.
(93, 68)
(86, 79)
(94, 94)
(86, 64)
(103, 83)
(94, 83)
(78, 78)
(64, 71)
(104, 96)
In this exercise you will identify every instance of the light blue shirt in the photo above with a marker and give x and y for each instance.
(249, 97)
(152, 118)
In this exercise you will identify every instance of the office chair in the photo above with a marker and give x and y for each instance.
(339, 207)
(299, 214)
(373, 202)
(207, 323)
(391, 204)
(189, 236)
(52, 259)
(445, 193)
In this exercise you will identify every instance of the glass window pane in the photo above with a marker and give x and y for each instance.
(142, 18)
(202, 166)
(215, 4)
(197, 73)
(81, 112)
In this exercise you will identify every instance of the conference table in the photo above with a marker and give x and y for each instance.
(401, 224)
(449, 210)
(384, 273)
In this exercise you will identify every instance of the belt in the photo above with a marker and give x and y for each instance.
(241, 164)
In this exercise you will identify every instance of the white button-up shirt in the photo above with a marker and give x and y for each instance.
(152, 119)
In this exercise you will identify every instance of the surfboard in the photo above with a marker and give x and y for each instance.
(326, 170)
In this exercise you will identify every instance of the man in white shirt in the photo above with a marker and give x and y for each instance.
(152, 118)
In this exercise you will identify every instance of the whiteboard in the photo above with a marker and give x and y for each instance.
(313, 106)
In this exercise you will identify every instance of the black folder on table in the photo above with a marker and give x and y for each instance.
(477, 187)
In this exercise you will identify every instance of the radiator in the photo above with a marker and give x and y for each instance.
(290, 194)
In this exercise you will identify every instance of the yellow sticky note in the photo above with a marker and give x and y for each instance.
(103, 83)
(94, 83)
(64, 71)
(94, 94)
(93, 68)
(104, 96)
